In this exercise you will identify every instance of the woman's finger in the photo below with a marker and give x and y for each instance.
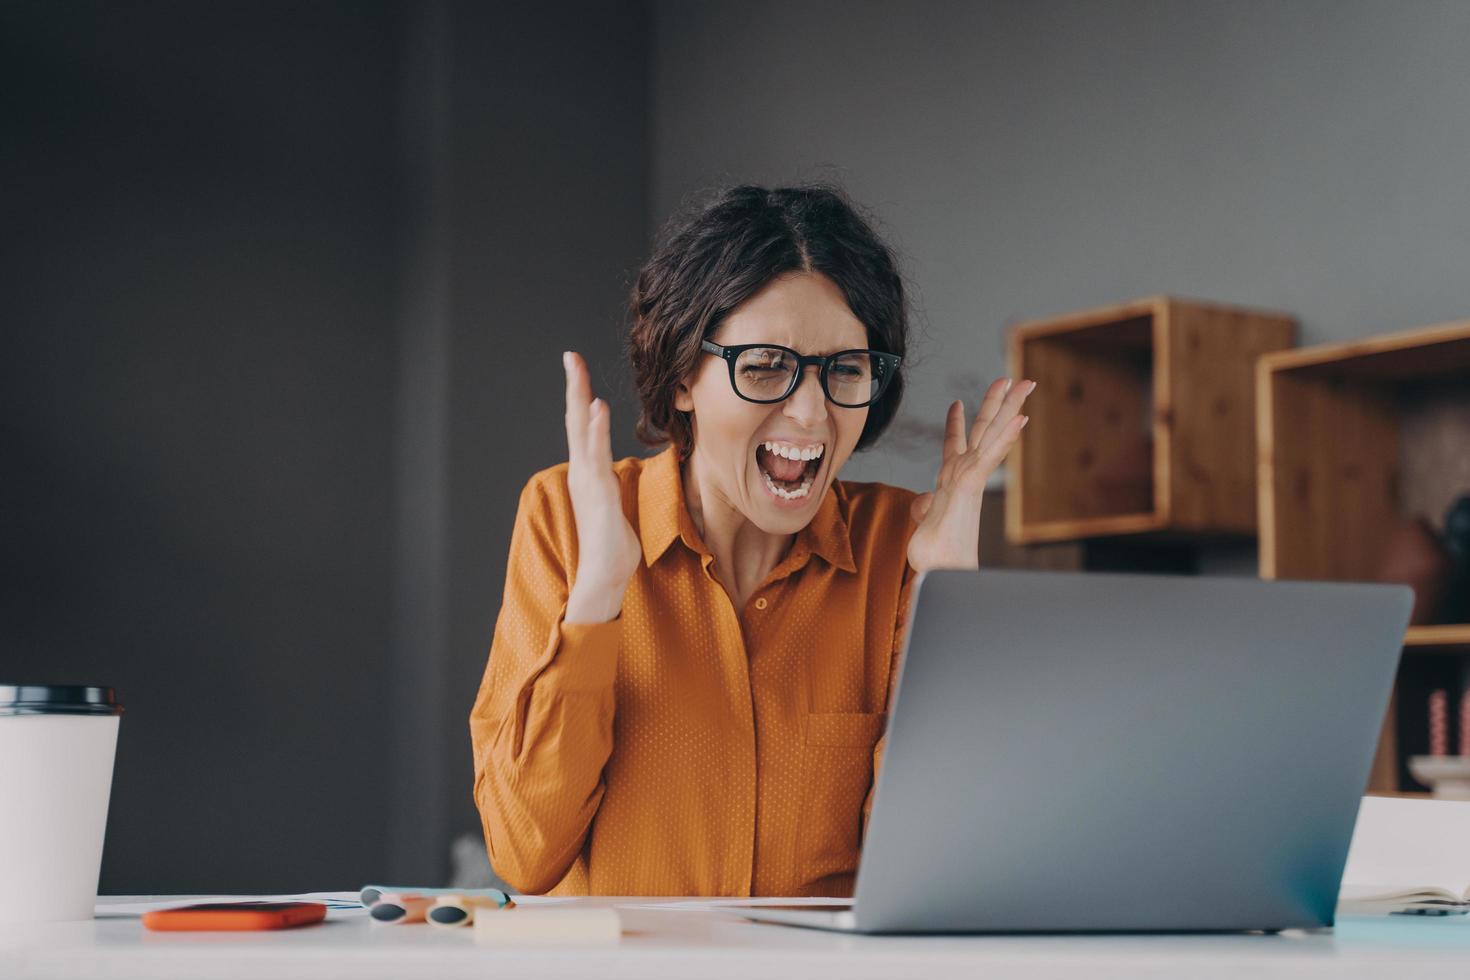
(1010, 408)
(989, 408)
(1000, 445)
(954, 442)
(579, 398)
(954, 430)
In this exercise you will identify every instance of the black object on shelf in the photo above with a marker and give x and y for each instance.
(1457, 543)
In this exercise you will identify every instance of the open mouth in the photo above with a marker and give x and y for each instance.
(789, 469)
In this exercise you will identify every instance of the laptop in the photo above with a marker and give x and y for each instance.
(1121, 753)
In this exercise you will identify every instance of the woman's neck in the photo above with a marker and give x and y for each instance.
(744, 554)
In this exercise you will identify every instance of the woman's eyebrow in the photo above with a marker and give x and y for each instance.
(824, 351)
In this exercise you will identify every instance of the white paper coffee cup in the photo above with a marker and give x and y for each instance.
(57, 744)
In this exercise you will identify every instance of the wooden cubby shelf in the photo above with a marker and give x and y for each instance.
(1142, 423)
(1454, 638)
(1353, 439)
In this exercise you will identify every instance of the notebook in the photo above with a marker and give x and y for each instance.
(1408, 855)
(1423, 900)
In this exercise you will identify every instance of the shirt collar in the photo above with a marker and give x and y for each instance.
(663, 516)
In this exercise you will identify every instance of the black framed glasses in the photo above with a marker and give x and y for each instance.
(766, 373)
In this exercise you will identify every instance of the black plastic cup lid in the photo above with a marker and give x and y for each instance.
(57, 699)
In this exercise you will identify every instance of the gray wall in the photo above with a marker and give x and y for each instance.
(196, 384)
(547, 230)
(285, 289)
(1032, 158)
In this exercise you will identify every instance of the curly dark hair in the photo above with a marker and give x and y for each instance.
(706, 266)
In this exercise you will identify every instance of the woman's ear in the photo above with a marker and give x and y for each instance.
(683, 397)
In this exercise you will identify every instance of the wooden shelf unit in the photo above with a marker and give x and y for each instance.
(1352, 438)
(1452, 638)
(1143, 421)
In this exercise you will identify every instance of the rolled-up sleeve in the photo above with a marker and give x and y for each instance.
(542, 724)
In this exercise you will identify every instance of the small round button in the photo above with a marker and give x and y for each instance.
(761, 603)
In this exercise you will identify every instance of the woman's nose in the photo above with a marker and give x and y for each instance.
(807, 405)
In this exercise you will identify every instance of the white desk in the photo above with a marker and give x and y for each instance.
(668, 943)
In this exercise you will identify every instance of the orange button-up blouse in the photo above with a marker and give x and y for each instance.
(689, 747)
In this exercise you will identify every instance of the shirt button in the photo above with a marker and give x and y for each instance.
(761, 603)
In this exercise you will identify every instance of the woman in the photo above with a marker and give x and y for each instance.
(687, 686)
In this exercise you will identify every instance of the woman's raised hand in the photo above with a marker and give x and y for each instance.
(948, 535)
(608, 551)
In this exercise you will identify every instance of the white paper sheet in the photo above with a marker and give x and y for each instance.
(339, 904)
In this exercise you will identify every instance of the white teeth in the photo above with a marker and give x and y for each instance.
(788, 451)
(796, 494)
(794, 452)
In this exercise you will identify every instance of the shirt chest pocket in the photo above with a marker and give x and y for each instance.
(836, 771)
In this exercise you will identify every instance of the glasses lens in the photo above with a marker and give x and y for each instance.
(764, 373)
(855, 379)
